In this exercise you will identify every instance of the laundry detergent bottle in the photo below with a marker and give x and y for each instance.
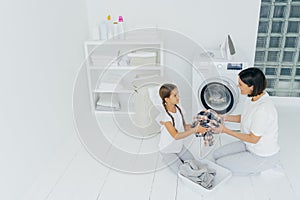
(109, 27)
(121, 28)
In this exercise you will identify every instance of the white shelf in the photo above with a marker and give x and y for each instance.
(152, 67)
(104, 90)
(114, 112)
(102, 64)
(124, 42)
(113, 88)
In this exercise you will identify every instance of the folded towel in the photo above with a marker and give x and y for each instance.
(106, 86)
(108, 100)
(107, 108)
(142, 54)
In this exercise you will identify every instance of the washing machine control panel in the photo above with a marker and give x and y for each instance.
(234, 66)
(230, 65)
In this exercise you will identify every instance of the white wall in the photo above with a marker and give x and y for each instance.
(41, 46)
(41, 49)
(205, 21)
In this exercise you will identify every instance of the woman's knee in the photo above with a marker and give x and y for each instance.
(235, 169)
(217, 154)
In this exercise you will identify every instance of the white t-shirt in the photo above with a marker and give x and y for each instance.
(167, 143)
(260, 118)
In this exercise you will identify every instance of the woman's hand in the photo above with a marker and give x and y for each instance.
(218, 129)
(223, 117)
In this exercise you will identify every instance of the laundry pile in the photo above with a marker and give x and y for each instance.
(207, 119)
(108, 102)
(198, 173)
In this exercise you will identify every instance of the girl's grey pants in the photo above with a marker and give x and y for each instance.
(174, 160)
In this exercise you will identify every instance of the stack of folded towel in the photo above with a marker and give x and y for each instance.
(108, 102)
(198, 173)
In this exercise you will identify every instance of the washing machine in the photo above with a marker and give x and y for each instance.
(214, 86)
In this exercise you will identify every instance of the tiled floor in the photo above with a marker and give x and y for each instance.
(76, 175)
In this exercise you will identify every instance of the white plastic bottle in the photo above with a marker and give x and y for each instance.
(115, 30)
(109, 27)
(103, 30)
(121, 28)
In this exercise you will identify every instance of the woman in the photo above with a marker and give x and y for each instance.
(174, 129)
(258, 148)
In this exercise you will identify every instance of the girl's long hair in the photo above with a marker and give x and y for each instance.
(165, 92)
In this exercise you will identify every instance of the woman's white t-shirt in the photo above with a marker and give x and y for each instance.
(167, 143)
(260, 118)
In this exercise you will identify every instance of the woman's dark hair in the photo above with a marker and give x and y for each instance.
(165, 92)
(254, 77)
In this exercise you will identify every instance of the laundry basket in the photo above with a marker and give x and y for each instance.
(222, 175)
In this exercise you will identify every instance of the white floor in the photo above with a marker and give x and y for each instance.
(76, 175)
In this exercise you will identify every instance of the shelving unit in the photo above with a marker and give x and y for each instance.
(111, 74)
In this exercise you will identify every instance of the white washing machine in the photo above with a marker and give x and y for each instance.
(214, 86)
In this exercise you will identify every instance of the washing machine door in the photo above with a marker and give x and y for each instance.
(219, 94)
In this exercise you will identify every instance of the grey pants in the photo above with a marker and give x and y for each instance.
(240, 161)
(174, 160)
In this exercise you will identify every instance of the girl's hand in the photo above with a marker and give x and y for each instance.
(200, 129)
(162, 122)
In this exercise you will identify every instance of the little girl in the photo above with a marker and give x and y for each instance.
(174, 129)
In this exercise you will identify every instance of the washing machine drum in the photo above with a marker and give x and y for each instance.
(219, 94)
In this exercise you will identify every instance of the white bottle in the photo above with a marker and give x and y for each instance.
(103, 30)
(121, 28)
(115, 30)
(109, 27)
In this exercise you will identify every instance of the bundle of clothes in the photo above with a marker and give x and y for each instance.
(197, 172)
(207, 119)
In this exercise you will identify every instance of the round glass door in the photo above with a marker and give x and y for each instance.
(218, 97)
